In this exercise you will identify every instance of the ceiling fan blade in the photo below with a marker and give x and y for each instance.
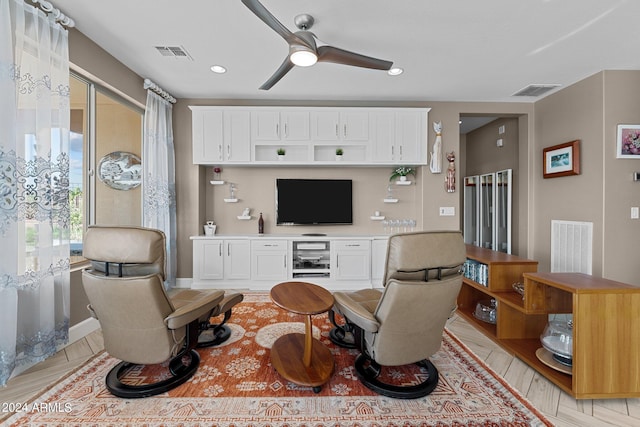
(261, 12)
(284, 68)
(341, 56)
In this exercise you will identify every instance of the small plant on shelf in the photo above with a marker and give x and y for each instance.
(281, 151)
(339, 152)
(402, 172)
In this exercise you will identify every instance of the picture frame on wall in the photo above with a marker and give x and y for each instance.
(628, 142)
(561, 160)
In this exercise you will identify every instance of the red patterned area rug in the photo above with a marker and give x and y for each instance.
(235, 385)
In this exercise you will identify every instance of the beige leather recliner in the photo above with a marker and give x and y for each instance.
(403, 323)
(141, 323)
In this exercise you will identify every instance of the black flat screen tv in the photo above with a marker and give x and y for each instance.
(313, 201)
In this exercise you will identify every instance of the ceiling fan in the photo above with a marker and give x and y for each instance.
(305, 49)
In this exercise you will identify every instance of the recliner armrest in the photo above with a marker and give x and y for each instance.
(191, 311)
(356, 313)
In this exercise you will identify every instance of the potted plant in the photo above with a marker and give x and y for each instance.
(281, 152)
(402, 172)
(339, 154)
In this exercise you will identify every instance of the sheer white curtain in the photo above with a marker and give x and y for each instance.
(34, 187)
(159, 178)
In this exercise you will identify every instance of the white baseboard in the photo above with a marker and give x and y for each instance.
(184, 282)
(82, 329)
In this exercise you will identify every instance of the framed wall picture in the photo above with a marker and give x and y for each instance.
(628, 146)
(561, 160)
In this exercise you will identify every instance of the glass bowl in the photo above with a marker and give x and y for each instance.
(486, 311)
(557, 338)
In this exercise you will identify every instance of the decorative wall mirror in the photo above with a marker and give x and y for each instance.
(120, 170)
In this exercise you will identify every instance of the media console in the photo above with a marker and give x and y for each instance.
(259, 262)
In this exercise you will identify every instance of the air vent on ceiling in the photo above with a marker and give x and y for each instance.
(535, 90)
(174, 51)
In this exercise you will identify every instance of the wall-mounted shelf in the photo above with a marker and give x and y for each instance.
(231, 200)
(390, 200)
(244, 217)
(398, 182)
(216, 182)
(377, 218)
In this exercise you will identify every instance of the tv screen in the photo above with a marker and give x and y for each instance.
(313, 201)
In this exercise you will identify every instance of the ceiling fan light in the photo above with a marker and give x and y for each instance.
(218, 69)
(303, 57)
(396, 71)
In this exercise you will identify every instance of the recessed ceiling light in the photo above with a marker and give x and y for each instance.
(396, 71)
(219, 69)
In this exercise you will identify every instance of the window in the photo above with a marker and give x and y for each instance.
(104, 128)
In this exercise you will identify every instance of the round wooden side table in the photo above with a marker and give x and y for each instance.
(300, 358)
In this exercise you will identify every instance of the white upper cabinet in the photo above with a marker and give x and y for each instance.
(400, 136)
(220, 135)
(277, 125)
(309, 135)
(340, 125)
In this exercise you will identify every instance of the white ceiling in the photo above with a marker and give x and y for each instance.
(451, 50)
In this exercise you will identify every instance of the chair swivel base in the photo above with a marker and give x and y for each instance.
(368, 371)
(179, 371)
(218, 334)
(342, 338)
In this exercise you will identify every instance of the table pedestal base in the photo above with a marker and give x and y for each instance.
(287, 358)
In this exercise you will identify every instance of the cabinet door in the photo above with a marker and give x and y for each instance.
(208, 260)
(207, 135)
(487, 203)
(325, 125)
(354, 125)
(410, 137)
(471, 210)
(237, 259)
(265, 125)
(295, 125)
(383, 136)
(352, 260)
(237, 136)
(378, 259)
(269, 260)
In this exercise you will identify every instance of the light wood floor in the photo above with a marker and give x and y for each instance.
(561, 409)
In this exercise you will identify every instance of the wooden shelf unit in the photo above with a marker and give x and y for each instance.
(606, 322)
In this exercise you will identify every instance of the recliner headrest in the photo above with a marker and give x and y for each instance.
(143, 247)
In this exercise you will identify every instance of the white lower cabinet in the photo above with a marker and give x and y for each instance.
(351, 260)
(269, 260)
(259, 263)
(221, 259)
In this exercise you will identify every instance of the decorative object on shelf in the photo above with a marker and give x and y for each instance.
(120, 170)
(401, 173)
(486, 311)
(628, 142)
(561, 160)
(519, 288)
(217, 176)
(339, 153)
(557, 338)
(246, 214)
(435, 164)
(260, 224)
(281, 152)
(210, 228)
(450, 180)
(389, 198)
(377, 216)
(232, 194)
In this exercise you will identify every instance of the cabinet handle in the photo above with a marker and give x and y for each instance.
(228, 249)
(353, 245)
(337, 134)
(286, 130)
(278, 130)
(228, 151)
(220, 151)
(392, 152)
(220, 248)
(344, 131)
(285, 260)
(401, 152)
